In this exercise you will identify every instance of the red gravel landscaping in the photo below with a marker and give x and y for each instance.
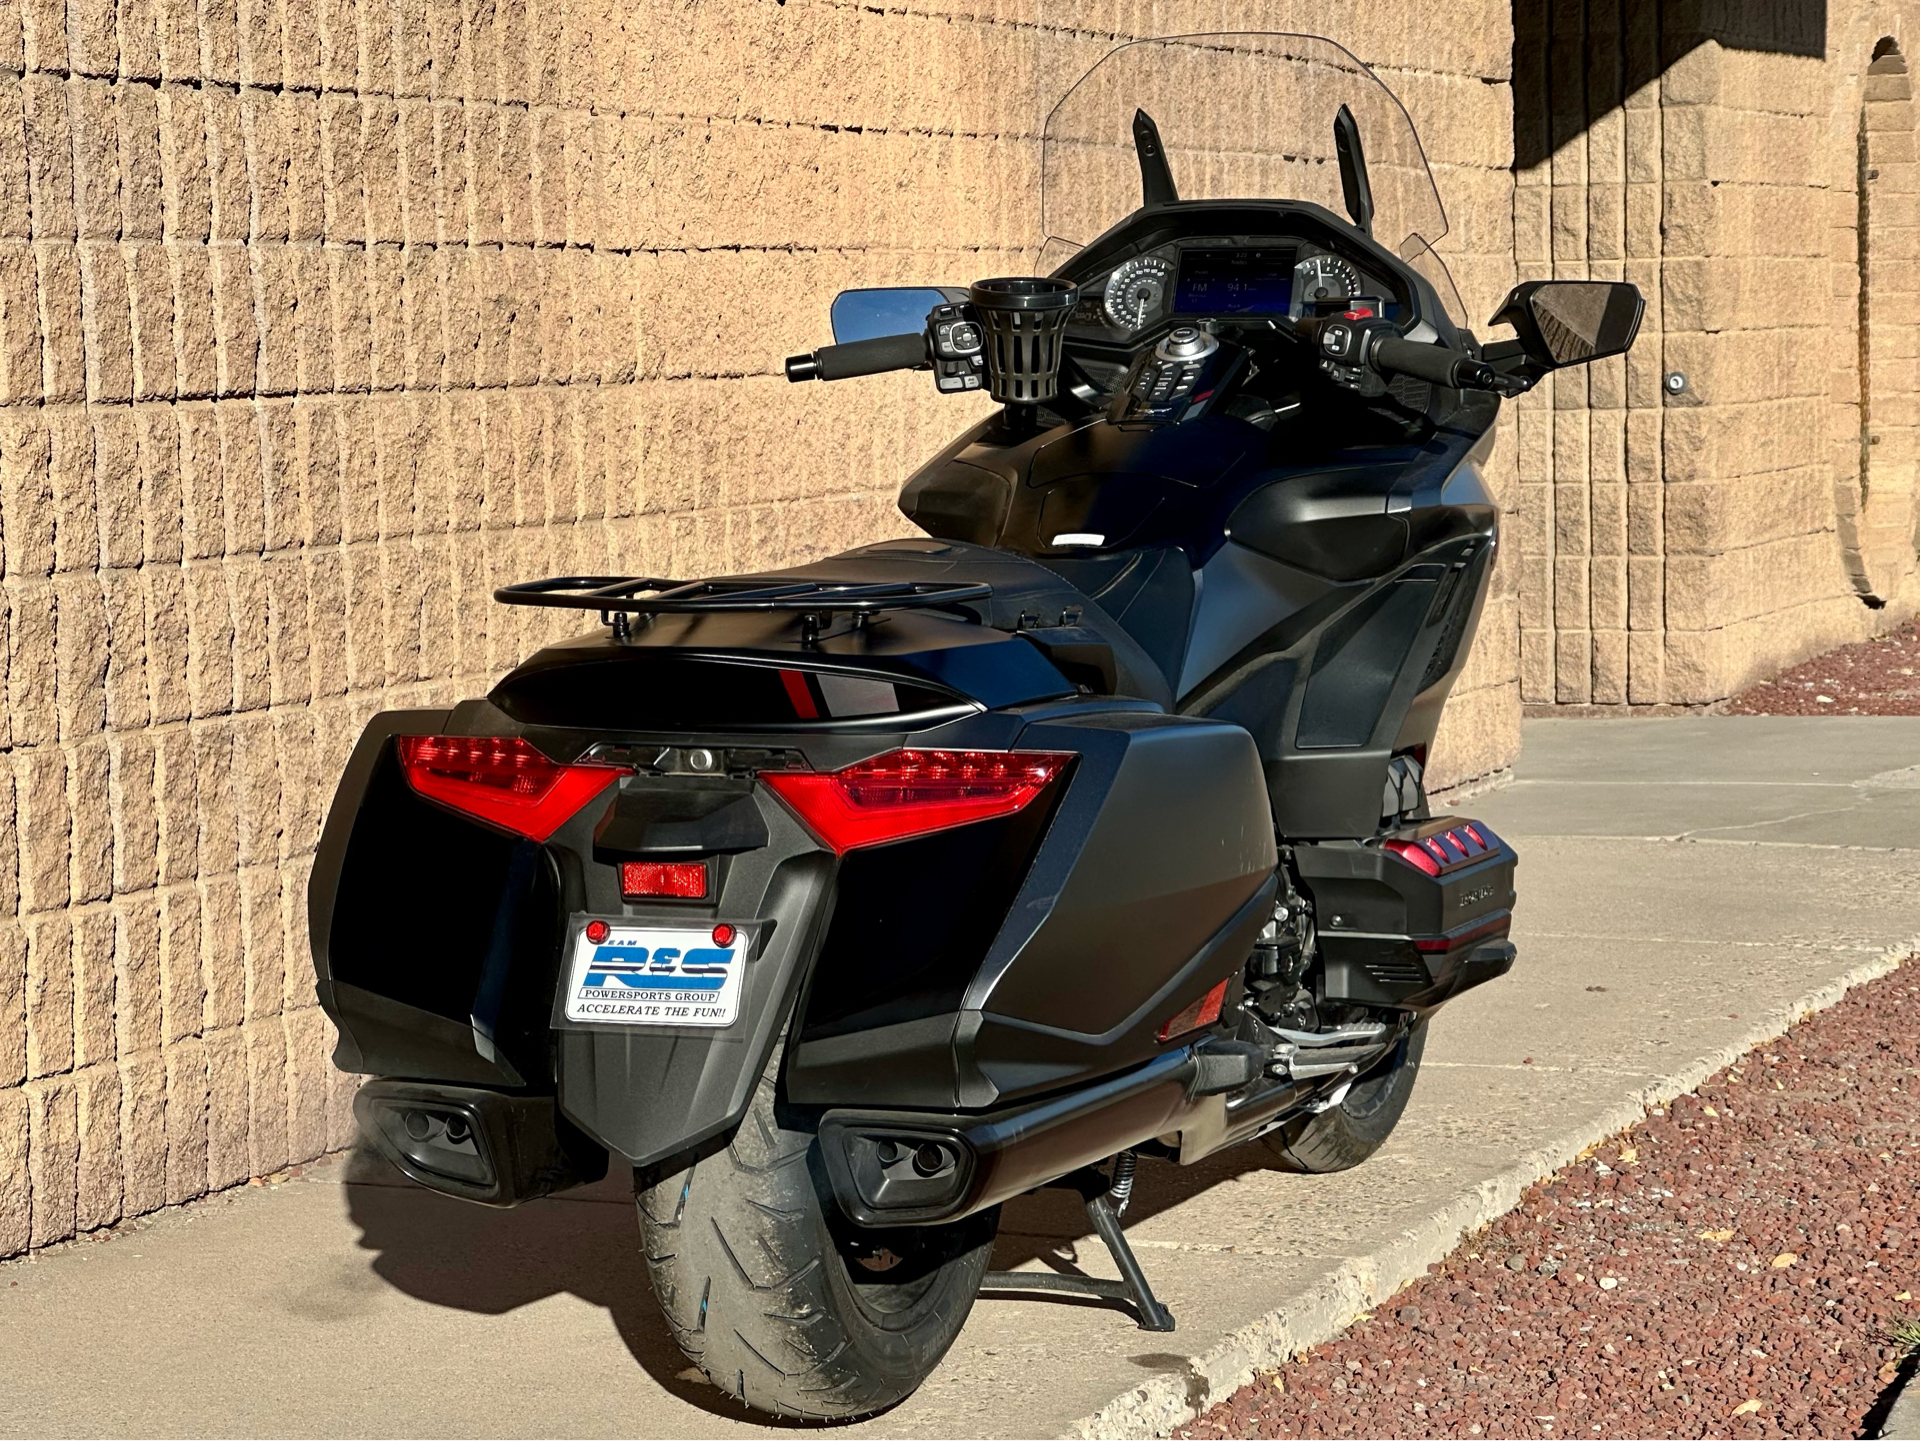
(1737, 1264)
(1875, 677)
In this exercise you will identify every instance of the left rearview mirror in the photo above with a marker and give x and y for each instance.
(895, 310)
(1572, 322)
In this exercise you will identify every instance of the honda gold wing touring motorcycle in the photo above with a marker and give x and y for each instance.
(846, 902)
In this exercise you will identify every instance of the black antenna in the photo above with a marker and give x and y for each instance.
(1156, 181)
(1353, 169)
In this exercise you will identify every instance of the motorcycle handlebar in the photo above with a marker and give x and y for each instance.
(860, 357)
(1433, 363)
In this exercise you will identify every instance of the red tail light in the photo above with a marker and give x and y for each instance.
(501, 780)
(1445, 850)
(1413, 855)
(674, 880)
(912, 792)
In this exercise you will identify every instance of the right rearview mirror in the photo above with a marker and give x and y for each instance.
(1570, 322)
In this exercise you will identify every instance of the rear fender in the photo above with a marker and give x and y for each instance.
(653, 1093)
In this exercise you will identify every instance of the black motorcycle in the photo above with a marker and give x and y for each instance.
(846, 902)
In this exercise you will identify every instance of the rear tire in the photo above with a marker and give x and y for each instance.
(783, 1303)
(1343, 1136)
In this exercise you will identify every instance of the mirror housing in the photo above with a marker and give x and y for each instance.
(1566, 322)
(886, 310)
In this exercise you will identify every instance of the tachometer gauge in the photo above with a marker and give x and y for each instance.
(1320, 280)
(1137, 291)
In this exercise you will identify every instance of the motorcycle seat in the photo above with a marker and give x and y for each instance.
(1078, 634)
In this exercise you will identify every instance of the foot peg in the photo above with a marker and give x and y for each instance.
(1132, 1289)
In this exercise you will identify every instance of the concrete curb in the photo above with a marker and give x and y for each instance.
(1903, 1417)
(1156, 1407)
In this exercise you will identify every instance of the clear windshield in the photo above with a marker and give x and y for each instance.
(1242, 116)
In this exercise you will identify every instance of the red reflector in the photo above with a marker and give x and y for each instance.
(675, 880)
(723, 934)
(501, 780)
(912, 792)
(1413, 855)
(1203, 1012)
(598, 931)
(1498, 926)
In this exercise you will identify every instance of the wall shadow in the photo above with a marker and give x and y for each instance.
(1594, 63)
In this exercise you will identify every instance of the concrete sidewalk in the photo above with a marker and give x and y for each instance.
(1687, 887)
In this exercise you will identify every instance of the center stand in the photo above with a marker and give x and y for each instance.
(1105, 1200)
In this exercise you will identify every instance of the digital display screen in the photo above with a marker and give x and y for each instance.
(1251, 281)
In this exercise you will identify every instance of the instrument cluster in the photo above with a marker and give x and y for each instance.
(1225, 278)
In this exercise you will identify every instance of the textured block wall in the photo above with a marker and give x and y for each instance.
(318, 318)
(1677, 548)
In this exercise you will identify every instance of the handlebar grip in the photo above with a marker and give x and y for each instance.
(1435, 363)
(860, 357)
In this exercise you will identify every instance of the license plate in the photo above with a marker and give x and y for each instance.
(655, 976)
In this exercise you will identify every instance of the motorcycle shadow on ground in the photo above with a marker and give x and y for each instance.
(586, 1243)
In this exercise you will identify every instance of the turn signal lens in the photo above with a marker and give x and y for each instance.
(501, 780)
(674, 880)
(909, 793)
(1203, 1012)
(1413, 855)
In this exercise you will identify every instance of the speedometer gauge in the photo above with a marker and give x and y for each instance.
(1323, 279)
(1137, 291)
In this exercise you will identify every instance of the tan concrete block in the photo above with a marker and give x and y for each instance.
(13, 1006)
(202, 501)
(53, 1153)
(380, 149)
(210, 639)
(186, 182)
(386, 311)
(16, 1184)
(182, 980)
(33, 714)
(143, 1133)
(92, 959)
(308, 1082)
(96, 159)
(187, 1114)
(418, 207)
(20, 346)
(1646, 668)
(137, 1010)
(27, 492)
(267, 1107)
(276, 313)
(49, 141)
(229, 1154)
(195, 349)
(98, 1170)
(107, 323)
(169, 665)
(1573, 667)
(62, 323)
(40, 809)
(150, 306)
(1479, 734)
(236, 335)
(222, 951)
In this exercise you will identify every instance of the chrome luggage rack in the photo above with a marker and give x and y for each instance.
(617, 597)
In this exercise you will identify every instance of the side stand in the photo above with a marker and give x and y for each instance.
(1132, 1290)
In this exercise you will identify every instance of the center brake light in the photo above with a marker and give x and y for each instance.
(502, 780)
(908, 793)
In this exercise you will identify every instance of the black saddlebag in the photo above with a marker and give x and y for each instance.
(1414, 917)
